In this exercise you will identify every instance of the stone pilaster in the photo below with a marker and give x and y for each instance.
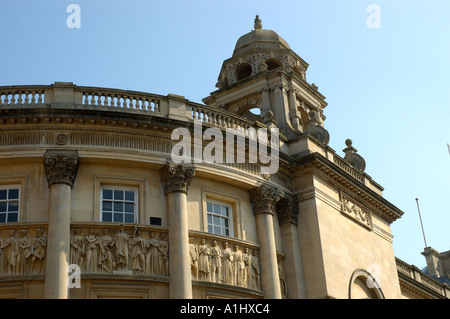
(61, 169)
(287, 212)
(175, 180)
(263, 200)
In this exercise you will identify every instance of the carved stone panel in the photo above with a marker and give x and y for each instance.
(224, 263)
(356, 211)
(23, 251)
(122, 250)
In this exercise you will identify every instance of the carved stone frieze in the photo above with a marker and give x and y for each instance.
(23, 251)
(355, 210)
(176, 177)
(226, 263)
(264, 199)
(120, 250)
(61, 167)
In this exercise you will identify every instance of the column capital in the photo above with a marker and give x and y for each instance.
(61, 166)
(287, 210)
(264, 199)
(176, 177)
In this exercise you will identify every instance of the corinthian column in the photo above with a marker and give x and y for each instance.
(287, 212)
(61, 170)
(176, 180)
(263, 200)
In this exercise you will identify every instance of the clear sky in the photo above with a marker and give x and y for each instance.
(387, 88)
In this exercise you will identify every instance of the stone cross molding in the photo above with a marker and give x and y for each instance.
(61, 167)
(176, 177)
(264, 199)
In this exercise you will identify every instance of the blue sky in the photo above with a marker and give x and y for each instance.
(388, 88)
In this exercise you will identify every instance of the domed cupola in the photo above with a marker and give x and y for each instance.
(265, 79)
(259, 39)
(258, 51)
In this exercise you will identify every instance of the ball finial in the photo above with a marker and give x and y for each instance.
(348, 142)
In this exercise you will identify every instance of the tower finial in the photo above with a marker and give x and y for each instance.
(258, 24)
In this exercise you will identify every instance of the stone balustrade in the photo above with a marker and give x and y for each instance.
(416, 274)
(220, 118)
(21, 95)
(348, 168)
(119, 99)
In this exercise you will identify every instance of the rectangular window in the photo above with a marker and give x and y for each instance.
(119, 204)
(9, 204)
(220, 218)
(155, 221)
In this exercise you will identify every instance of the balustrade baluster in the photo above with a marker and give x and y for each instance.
(107, 100)
(20, 100)
(33, 98)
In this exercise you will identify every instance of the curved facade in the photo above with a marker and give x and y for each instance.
(92, 187)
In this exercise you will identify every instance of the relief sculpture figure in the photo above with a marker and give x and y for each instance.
(91, 251)
(77, 248)
(106, 257)
(138, 252)
(204, 266)
(39, 244)
(216, 262)
(122, 241)
(152, 255)
(163, 255)
(11, 252)
(227, 265)
(193, 254)
(23, 263)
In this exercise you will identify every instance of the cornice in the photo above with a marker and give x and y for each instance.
(321, 165)
(418, 289)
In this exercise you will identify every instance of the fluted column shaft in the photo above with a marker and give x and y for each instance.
(263, 200)
(176, 180)
(61, 168)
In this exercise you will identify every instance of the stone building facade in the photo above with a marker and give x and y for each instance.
(93, 205)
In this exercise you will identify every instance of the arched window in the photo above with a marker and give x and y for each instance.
(364, 286)
(243, 71)
(273, 64)
(255, 111)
